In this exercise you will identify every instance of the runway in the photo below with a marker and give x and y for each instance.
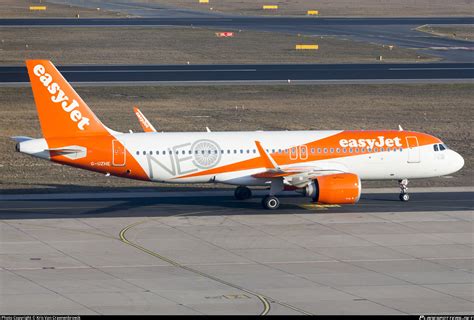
(211, 254)
(254, 73)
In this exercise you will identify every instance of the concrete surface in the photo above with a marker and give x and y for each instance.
(115, 257)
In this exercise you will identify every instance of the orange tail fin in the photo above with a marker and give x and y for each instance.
(62, 113)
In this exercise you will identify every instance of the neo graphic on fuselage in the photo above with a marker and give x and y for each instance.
(326, 166)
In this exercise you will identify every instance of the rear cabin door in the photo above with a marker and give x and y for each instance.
(118, 154)
(413, 150)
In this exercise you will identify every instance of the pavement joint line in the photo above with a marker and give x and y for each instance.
(318, 253)
(266, 304)
(236, 263)
(378, 272)
(65, 296)
(423, 259)
(433, 236)
(264, 299)
(86, 265)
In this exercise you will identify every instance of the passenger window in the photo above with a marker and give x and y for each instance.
(273, 150)
(381, 149)
(325, 150)
(332, 150)
(184, 152)
(344, 150)
(319, 150)
(376, 150)
(362, 150)
(312, 150)
(144, 152)
(357, 150)
(338, 150)
(350, 150)
(248, 151)
(138, 152)
(241, 151)
(279, 151)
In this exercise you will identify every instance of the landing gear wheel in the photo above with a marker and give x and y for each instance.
(404, 197)
(242, 193)
(270, 202)
(403, 190)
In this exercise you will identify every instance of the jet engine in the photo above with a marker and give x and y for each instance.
(339, 188)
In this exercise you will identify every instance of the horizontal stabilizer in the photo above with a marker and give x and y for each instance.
(64, 150)
(21, 138)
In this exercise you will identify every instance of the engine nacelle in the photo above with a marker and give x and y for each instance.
(340, 188)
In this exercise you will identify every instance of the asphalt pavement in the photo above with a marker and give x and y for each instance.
(327, 73)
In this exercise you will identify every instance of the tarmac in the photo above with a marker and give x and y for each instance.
(206, 253)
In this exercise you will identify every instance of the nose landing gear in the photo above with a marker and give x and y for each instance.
(404, 196)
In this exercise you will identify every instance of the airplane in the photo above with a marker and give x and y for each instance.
(326, 166)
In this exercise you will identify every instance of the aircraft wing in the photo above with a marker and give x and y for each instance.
(297, 176)
(146, 125)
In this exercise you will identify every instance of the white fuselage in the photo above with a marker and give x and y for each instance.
(187, 157)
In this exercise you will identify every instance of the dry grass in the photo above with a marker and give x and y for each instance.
(379, 8)
(460, 32)
(20, 9)
(442, 110)
(180, 45)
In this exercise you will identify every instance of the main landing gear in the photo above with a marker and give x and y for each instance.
(270, 202)
(242, 193)
(404, 196)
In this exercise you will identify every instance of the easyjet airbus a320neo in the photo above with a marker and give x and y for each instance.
(326, 166)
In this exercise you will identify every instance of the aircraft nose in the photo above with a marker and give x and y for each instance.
(457, 161)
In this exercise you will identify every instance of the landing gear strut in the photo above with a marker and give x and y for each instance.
(271, 202)
(242, 193)
(404, 196)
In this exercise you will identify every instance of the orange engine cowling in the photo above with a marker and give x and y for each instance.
(340, 188)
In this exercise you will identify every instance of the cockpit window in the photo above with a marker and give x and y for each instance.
(439, 147)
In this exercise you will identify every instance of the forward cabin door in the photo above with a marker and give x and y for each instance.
(118, 154)
(413, 150)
